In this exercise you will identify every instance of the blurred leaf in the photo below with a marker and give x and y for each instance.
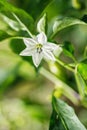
(13, 24)
(66, 116)
(76, 4)
(4, 35)
(34, 7)
(85, 52)
(84, 18)
(7, 77)
(17, 46)
(82, 69)
(68, 49)
(7, 9)
(55, 122)
(58, 51)
(82, 87)
(64, 23)
(41, 25)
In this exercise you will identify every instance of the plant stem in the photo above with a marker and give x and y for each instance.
(66, 89)
(64, 65)
(23, 25)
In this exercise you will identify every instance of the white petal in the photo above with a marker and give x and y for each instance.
(37, 58)
(27, 52)
(41, 38)
(48, 55)
(50, 46)
(29, 42)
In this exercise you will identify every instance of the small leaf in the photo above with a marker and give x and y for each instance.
(4, 35)
(13, 24)
(82, 68)
(7, 9)
(41, 25)
(81, 84)
(68, 49)
(64, 23)
(66, 116)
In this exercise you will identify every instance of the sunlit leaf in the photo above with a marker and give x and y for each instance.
(64, 23)
(12, 23)
(76, 4)
(7, 9)
(41, 25)
(82, 87)
(66, 116)
(82, 68)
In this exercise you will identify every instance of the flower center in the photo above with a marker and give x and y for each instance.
(39, 47)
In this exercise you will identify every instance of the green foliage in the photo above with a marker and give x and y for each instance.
(4, 35)
(34, 7)
(65, 115)
(17, 46)
(81, 84)
(64, 23)
(82, 69)
(68, 49)
(13, 24)
(55, 122)
(54, 18)
(41, 25)
(7, 9)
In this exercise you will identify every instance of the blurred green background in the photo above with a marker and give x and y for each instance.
(25, 95)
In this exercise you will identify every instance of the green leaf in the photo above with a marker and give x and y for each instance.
(17, 45)
(4, 35)
(68, 49)
(7, 77)
(7, 9)
(80, 84)
(82, 69)
(36, 7)
(12, 23)
(66, 116)
(41, 25)
(55, 122)
(64, 23)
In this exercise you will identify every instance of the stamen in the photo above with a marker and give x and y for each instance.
(39, 47)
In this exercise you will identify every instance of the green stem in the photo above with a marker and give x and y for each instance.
(16, 37)
(64, 65)
(66, 89)
(23, 25)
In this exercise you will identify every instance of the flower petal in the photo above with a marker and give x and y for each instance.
(37, 58)
(48, 55)
(50, 46)
(27, 52)
(29, 42)
(41, 38)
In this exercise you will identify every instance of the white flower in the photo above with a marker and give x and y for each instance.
(39, 48)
